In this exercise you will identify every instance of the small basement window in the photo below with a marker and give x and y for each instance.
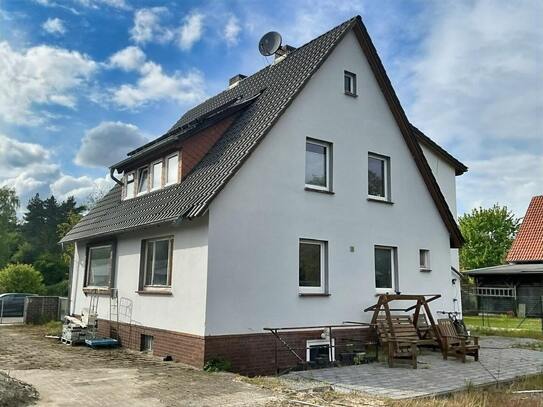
(349, 82)
(146, 343)
(320, 349)
(424, 255)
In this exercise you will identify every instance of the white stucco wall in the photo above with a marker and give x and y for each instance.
(257, 220)
(445, 176)
(184, 310)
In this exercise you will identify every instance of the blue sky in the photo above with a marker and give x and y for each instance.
(84, 81)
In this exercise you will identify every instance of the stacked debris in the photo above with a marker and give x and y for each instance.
(76, 331)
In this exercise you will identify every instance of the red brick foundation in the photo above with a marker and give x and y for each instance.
(249, 354)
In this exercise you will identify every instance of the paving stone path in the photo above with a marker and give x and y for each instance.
(499, 362)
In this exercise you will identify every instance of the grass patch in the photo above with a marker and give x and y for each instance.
(490, 396)
(504, 325)
(53, 328)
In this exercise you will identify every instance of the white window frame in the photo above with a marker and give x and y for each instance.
(386, 161)
(167, 170)
(89, 265)
(386, 290)
(152, 175)
(352, 76)
(169, 239)
(424, 253)
(317, 342)
(324, 267)
(126, 196)
(146, 167)
(328, 150)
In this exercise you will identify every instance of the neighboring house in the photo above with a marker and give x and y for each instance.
(520, 282)
(292, 198)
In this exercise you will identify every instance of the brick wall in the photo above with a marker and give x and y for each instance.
(250, 354)
(182, 347)
(41, 309)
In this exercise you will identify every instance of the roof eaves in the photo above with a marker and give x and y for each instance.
(458, 166)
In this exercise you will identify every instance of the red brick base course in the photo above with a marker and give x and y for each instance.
(249, 354)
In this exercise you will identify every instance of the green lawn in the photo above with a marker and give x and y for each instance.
(505, 325)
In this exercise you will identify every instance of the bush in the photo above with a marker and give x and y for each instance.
(218, 365)
(58, 289)
(21, 278)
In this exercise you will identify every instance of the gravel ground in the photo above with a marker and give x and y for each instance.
(14, 393)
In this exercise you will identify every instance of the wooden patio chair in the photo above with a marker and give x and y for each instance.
(399, 338)
(455, 344)
(424, 329)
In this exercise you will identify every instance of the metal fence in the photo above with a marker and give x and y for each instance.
(32, 310)
(519, 309)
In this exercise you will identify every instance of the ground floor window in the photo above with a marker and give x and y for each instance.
(158, 262)
(99, 265)
(312, 266)
(385, 269)
(319, 349)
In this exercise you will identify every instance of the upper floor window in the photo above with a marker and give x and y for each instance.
(157, 264)
(99, 266)
(317, 165)
(157, 175)
(424, 256)
(143, 180)
(385, 273)
(349, 83)
(378, 177)
(312, 267)
(129, 185)
(172, 169)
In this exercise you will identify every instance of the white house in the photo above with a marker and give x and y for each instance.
(292, 198)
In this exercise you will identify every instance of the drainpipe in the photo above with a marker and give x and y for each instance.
(117, 181)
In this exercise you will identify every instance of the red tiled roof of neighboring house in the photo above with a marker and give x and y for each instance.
(528, 244)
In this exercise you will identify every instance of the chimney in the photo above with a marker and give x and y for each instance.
(282, 52)
(234, 80)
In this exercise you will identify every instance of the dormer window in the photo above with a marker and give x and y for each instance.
(129, 185)
(172, 169)
(143, 180)
(157, 175)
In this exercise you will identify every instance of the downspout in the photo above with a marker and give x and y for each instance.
(117, 181)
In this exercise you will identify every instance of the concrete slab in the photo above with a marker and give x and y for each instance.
(499, 362)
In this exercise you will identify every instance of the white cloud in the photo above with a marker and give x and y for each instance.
(148, 27)
(232, 30)
(30, 168)
(108, 143)
(191, 30)
(41, 75)
(81, 188)
(477, 90)
(154, 85)
(127, 59)
(54, 26)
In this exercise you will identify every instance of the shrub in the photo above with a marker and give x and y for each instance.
(20, 278)
(218, 365)
(58, 289)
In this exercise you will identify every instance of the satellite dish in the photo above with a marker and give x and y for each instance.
(270, 43)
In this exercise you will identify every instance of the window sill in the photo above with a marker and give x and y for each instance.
(322, 191)
(314, 294)
(154, 292)
(384, 201)
(354, 95)
(97, 290)
(425, 270)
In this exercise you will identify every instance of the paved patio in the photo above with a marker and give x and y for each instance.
(499, 362)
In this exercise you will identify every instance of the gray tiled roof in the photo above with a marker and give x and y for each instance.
(280, 84)
(520, 268)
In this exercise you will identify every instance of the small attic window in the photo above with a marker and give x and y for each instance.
(129, 186)
(349, 83)
(143, 180)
